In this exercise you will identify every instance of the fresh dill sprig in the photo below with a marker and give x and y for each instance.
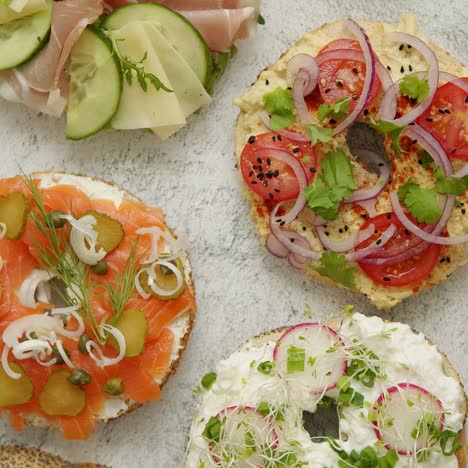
(129, 68)
(56, 256)
(123, 288)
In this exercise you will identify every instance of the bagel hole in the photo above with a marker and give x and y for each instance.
(323, 423)
(361, 139)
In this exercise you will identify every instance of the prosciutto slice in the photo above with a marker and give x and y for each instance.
(69, 19)
(220, 22)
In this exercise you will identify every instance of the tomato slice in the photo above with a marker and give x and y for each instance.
(447, 120)
(344, 78)
(272, 179)
(407, 273)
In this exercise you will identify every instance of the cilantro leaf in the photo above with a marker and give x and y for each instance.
(334, 184)
(334, 267)
(316, 133)
(338, 110)
(392, 130)
(280, 105)
(450, 185)
(421, 202)
(414, 88)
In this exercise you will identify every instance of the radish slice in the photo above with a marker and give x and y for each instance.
(243, 428)
(403, 413)
(310, 356)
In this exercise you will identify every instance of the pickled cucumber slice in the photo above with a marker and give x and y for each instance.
(13, 213)
(59, 397)
(165, 280)
(134, 327)
(110, 231)
(15, 391)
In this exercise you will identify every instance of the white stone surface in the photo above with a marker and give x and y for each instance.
(242, 291)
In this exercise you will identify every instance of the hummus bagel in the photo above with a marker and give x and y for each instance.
(97, 302)
(353, 151)
(395, 398)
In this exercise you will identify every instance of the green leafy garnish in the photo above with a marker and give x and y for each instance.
(364, 367)
(392, 130)
(131, 69)
(334, 184)
(335, 267)
(219, 62)
(267, 409)
(280, 105)
(260, 19)
(414, 88)
(265, 367)
(7, 2)
(296, 359)
(338, 110)
(317, 133)
(450, 185)
(212, 429)
(348, 395)
(426, 159)
(421, 202)
(325, 402)
(208, 380)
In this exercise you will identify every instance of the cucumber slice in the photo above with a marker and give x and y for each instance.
(95, 85)
(23, 38)
(175, 28)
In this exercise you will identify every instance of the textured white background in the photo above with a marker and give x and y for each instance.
(242, 291)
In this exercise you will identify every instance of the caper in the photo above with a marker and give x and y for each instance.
(101, 267)
(114, 386)
(84, 338)
(79, 377)
(58, 357)
(56, 218)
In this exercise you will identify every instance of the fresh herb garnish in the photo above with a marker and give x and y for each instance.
(421, 202)
(317, 133)
(280, 105)
(449, 185)
(131, 69)
(335, 267)
(414, 88)
(392, 130)
(338, 110)
(212, 429)
(325, 402)
(260, 19)
(296, 359)
(334, 184)
(265, 367)
(426, 159)
(219, 62)
(208, 380)
(365, 366)
(270, 410)
(348, 395)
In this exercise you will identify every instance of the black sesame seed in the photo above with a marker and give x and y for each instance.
(280, 138)
(252, 139)
(282, 222)
(289, 88)
(260, 176)
(267, 82)
(447, 111)
(376, 231)
(276, 173)
(339, 83)
(420, 162)
(304, 228)
(251, 173)
(260, 168)
(277, 190)
(332, 121)
(313, 170)
(409, 46)
(279, 220)
(260, 160)
(265, 183)
(327, 233)
(410, 68)
(463, 211)
(327, 90)
(407, 232)
(389, 68)
(355, 70)
(269, 161)
(379, 241)
(346, 228)
(442, 260)
(411, 123)
(272, 196)
(273, 138)
(295, 149)
(466, 99)
(386, 278)
(413, 100)
(269, 174)
(389, 215)
(364, 216)
(402, 69)
(401, 47)
(448, 260)
(253, 182)
(453, 150)
(414, 142)
(366, 111)
(441, 111)
(429, 119)
(340, 231)
(381, 164)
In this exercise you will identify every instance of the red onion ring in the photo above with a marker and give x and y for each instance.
(369, 60)
(298, 261)
(456, 80)
(374, 247)
(265, 118)
(385, 111)
(416, 230)
(275, 248)
(287, 158)
(432, 146)
(369, 206)
(346, 244)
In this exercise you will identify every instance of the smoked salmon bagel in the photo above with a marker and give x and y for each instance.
(353, 153)
(97, 302)
(353, 391)
(12, 456)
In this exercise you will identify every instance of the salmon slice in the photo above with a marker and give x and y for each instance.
(157, 355)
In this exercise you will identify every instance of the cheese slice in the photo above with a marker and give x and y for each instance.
(19, 9)
(163, 112)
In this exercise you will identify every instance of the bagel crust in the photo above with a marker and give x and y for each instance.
(115, 407)
(249, 123)
(240, 383)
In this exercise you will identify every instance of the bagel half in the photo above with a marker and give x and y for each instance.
(248, 124)
(13, 456)
(273, 336)
(181, 326)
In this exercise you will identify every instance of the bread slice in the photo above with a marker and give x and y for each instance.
(13, 456)
(182, 325)
(448, 370)
(249, 124)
